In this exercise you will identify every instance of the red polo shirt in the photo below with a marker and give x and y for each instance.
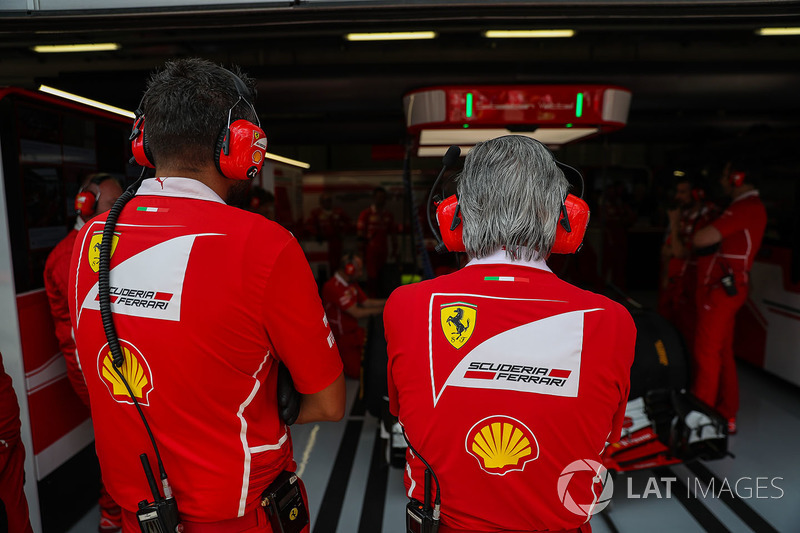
(503, 376)
(206, 299)
(742, 227)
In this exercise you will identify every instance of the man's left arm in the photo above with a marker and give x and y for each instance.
(626, 348)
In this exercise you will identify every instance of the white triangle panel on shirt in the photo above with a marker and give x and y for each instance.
(543, 357)
(142, 283)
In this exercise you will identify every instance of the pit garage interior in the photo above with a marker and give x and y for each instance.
(706, 82)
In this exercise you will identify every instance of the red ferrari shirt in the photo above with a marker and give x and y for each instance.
(56, 281)
(9, 410)
(338, 296)
(504, 376)
(742, 227)
(203, 310)
(691, 222)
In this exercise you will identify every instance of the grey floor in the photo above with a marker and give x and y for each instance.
(352, 491)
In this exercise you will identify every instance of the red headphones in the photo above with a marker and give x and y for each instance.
(349, 265)
(240, 148)
(736, 178)
(86, 200)
(571, 228)
(698, 195)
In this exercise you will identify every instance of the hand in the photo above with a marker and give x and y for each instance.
(288, 397)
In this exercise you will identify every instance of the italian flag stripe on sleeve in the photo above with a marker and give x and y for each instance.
(505, 278)
(152, 209)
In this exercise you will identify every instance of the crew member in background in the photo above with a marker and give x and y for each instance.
(376, 230)
(97, 194)
(329, 224)
(14, 516)
(725, 283)
(207, 299)
(261, 201)
(678, 296)
(345, 303)
(485, 363)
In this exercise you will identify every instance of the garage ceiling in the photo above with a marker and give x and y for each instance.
(698, 72)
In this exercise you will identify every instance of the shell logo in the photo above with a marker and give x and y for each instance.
(135, 370)
(257, 156)
(501, 444)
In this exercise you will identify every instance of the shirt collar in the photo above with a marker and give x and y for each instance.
(499, 257)
(748, 194)
(178, 187)
(341, 279)
(79, 223)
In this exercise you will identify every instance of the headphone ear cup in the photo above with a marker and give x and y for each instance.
(139, 146)
(85, 204)
(240, 150)
(736, 178)
(349, 269)
(450, 224)
(569, 242)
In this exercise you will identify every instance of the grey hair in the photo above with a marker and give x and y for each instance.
(510, 192)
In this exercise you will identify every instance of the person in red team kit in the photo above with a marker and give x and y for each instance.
(206, 301)
(345, 303)
(725, 280)
(13, 504)
(508, 381)
(328, 224)
(97, 194)
(677, 299)
(376, 229)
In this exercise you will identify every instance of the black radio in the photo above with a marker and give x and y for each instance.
(161, 516)
(419, 519)
(284, 505)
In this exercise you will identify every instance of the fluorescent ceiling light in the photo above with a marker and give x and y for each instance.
(87, 101)
(288, 161)
(678, 173)
(391, 36)
(527, 34)
(778, 31)
(89, 47)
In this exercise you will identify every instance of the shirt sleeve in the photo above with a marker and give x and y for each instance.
(626, 349)
(388, 320)
(296, 323)
(731, 221)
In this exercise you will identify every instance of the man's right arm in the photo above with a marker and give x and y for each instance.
(298, 329)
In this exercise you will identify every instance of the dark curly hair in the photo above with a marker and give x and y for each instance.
(186, 108)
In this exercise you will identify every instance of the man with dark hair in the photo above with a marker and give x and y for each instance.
(509, 382)
(677, 298)
(376, 230)
(97, 194)
(723, 289)
(206, 301)
(345, 304)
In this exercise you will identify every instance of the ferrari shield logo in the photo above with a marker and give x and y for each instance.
(94, 249)
(458, 322)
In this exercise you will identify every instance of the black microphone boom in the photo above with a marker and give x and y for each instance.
(450, 158)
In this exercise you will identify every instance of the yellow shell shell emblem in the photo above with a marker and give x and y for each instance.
(501, 444)
(134, 369)
(94, 249)
(458, 322)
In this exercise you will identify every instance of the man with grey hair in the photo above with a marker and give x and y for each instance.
(508, 381)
